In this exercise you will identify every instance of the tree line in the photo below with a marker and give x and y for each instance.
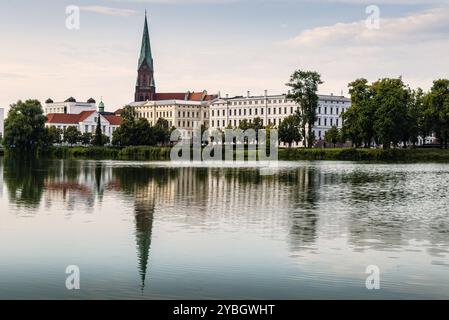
(389, 113)
(385, 113)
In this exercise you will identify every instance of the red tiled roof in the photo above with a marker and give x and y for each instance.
(68, 118)
(193, 96)
(61, 118)
(113, 120)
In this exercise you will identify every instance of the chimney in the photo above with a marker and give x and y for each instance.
(227, 95)
(248, 93)
(266, 93)
(219, 94)
(332, 94)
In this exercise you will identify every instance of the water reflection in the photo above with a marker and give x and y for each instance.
(369, 208)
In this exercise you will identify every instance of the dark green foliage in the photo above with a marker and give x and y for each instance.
(290, 130)
(25, 130)
(304, 86)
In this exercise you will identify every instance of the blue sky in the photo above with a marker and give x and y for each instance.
(220, 45)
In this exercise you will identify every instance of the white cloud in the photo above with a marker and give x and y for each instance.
(428, 24)
(108, 11)
(413, 46)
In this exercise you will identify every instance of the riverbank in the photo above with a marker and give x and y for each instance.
(128, 153)
(146, 153)
(377, 155)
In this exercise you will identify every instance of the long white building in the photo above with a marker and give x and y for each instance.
(273, 109)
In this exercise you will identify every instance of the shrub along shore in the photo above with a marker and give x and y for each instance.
(146, 153)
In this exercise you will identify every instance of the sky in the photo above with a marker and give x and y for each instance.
(230, 46)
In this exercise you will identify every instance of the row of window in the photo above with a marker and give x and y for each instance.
(269, 101)
(56, 110)
(255, 111)
(188, 124)
(331, 110)
(149, 115)
(236, 122)
(169, 114)
(325, 122)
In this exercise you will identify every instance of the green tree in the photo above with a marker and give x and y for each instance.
(132, 132)
(72, 135)
(161, 132)
(438, 110)
(391, 98)
(244, 125)
(304, 86)
(25, 128)
(98, 137)
(54, 135)
(364, 110)
(86, 138)
(352, 130)
(333, 135)
(290, 130)
(415, 114)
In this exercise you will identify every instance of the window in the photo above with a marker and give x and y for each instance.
(336, 111)
(325, 110)
(269, 110)
(319, 121)
(332, 122)
(332, 110)
(274, 110)
(261, 112)
(337, 122)
(244, 112)
(325, 121)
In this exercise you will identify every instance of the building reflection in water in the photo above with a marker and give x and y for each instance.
(299, 205)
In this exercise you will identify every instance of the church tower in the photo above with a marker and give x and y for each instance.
(145, 86)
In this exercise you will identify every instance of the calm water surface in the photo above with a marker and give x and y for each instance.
(160, 230)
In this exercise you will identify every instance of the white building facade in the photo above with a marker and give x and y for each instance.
(69, 106)
(86, 121)
(184, 111)
(273, 109)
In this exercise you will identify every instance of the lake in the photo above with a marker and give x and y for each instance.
(155, 230)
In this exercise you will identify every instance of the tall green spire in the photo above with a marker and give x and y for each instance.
(145, 51)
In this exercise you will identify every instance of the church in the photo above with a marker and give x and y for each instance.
(183, 110)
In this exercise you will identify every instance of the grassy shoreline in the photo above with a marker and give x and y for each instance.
(367, 155)
(146, 153)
